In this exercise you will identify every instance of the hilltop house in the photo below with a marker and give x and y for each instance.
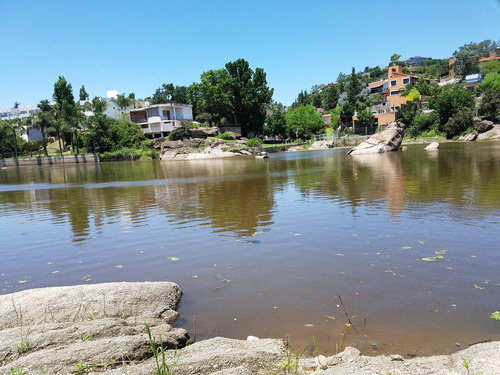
(397, 83)
(160, 119)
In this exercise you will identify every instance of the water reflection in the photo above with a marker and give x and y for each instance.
(238, 196)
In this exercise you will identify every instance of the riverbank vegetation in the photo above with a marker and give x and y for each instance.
(238, 94)
(431, 110)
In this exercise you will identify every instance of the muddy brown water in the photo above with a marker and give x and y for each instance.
(409, 240)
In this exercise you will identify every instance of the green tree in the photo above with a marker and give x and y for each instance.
(169, 93)
(4, 134)
(490, 82)
(466, 62)
(122, 101)
(98, 126)
(492, 66)
(330, 97)
(354, 88)
(214, 95)
(194, 97)
(66, 109)
(408, 112)
(275, 125)
(395, 59)
(83, 93)
(43, 121)
(366, 119)
(304, 122)
(490, 103)
(449, 101)
(459, 122)
(248, 95)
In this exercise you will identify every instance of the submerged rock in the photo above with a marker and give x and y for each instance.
(387, 140)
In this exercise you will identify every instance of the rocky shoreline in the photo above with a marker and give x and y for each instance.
(102, 328)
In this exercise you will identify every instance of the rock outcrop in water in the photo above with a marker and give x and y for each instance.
(389, 139)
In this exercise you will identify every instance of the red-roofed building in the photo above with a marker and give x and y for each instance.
(492, 56)
(397, 81)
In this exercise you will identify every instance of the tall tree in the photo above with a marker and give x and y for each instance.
(66, 108)
(214, 96)
(43, 120)
(249, 95)
(83, 93)
(330, 97)
(122, 101)
(304, 122)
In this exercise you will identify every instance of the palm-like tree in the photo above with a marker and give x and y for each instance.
(4, 130)
(97, 121)
(43, 120)
(15, 125)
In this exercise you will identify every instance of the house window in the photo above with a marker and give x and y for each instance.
(406, 81)
(395, 92)
(393, 83)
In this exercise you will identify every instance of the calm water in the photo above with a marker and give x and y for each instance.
(264, 247)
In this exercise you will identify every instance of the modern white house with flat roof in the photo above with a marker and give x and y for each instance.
(160, 119)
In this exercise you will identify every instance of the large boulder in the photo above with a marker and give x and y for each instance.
(203, 132)
(91, 326)
(432, 146)
(387, 140)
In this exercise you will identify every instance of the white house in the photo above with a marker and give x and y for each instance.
(112, 109)
(160, 119)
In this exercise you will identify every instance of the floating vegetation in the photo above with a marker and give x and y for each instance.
(406, 248)
(355, 235)
(297, 234)
(119, 266)
(391, 272)
(478, 287)
(173, 259)
(55, 271)
(449, 268)
(432, 259)
(22, 281)
(441, 252)
(473, 256)
(330, 317)
(194, 276)
(421, 242)
(495, 315)
(275, 307)
(49, 263)
(340, 254)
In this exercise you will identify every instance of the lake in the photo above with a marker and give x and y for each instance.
(265, 247)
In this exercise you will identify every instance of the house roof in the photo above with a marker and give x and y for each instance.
(484, 59)
(177, 105)
(374, 85)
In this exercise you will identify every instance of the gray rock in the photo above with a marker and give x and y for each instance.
(470, 137)
(433, 146)
(387, 140)
(95, 325)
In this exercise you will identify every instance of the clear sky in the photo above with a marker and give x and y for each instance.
(135, 46)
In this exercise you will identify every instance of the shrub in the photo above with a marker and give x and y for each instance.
(254, 142)
(179, 133)
(459, 122)
(420, 124)
(227, 136)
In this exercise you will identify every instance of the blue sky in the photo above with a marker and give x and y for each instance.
(135, 46)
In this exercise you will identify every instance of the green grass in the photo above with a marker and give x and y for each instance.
(25, 344)
(162, 368)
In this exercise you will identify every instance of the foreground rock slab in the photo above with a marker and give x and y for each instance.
(55, 330)
(389, 139)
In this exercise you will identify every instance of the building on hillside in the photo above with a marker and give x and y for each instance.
(23, 113)
(112, 109)
(417, 60)
(378, 87)
(472, 81)
(397, 83)
(494, 55)
(160, 119)
(449, 78)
